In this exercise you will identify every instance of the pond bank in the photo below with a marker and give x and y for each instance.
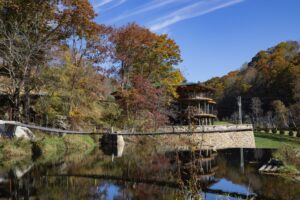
(285, 163)
(44, 148)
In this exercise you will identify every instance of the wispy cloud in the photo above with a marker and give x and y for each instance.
(102, 3)
(155, 4)
(108, 4)
(117, 4)
(190, 11)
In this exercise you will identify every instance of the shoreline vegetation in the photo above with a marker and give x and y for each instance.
(45, 148)
(48, 148)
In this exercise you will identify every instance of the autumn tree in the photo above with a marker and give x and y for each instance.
(143, 57)
(281, 113)
(30, 28)
(272, 74)
(142, 104)
(73, 90)
(256, 107)
(138, 51)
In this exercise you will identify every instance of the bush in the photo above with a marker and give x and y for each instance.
(258, 129)
(291, 133)
(281, 132)
(274, 130)
(288, 169)
(288, 154)
(298, 133)
(266, 130)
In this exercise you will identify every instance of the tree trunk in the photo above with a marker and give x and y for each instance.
(27, 95)
(27, 105)
(16, 105)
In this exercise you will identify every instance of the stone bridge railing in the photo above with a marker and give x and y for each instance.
(207, 128)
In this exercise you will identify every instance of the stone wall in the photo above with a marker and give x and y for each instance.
(218, 137)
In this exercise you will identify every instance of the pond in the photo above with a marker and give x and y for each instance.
(143, 171)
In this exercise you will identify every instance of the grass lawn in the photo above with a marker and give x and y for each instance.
(270, 140)
(222, 123)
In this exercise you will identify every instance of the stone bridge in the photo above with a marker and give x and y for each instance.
(212, 136)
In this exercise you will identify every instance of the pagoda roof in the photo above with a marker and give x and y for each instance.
(194, 87)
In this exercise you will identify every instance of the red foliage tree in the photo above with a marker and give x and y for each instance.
(144, 103)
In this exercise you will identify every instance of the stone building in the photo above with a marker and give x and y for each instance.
(196, 105)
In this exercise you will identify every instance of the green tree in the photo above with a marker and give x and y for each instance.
(73, 90)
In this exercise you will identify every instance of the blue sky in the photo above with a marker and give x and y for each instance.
(215, 36)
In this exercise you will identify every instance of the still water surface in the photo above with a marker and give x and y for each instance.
(143, 172)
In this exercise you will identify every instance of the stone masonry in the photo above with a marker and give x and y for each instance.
(214, 136)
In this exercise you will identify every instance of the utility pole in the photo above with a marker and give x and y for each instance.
(239, 102)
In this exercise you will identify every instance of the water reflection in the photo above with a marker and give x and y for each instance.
(112, 145)
(144, 172)
(15, 183)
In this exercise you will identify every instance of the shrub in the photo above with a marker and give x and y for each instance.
(288, 169)
(298, 133)
(258, 128)
(267, 130)
(291, 133)
(274, 130)
(281, 132)
(288, 154)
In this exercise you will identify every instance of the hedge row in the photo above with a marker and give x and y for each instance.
(291, 132)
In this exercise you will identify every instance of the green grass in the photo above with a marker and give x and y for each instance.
(14, 151)
(275, 141)
(52, 148)
(222, 123)
(82, 143)
(55, 148)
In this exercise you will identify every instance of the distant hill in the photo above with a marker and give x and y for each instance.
(273, 77)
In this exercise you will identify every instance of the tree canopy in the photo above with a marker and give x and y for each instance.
(272, 77)
(58, 63)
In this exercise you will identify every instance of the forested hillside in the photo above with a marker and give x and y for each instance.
(269, 85)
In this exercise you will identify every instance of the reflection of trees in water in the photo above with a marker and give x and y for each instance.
(141, 161)
(191, 171)
(15, 183)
